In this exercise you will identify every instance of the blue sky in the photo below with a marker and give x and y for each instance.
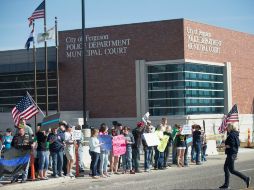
(232, 14)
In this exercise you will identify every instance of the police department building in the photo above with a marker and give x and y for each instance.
(184, 70)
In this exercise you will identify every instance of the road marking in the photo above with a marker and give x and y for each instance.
(246, 170)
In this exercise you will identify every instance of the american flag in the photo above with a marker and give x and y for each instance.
(231, 117)
(39, 12)
(25, 108)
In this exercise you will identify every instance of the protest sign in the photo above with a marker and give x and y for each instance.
(76, 134)
(151, 139)
(189, 140)
(51, 121)
(187, 130)
(107, 142)
(119, 145)
(163, 143)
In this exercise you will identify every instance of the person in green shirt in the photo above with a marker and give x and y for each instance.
(175, 131)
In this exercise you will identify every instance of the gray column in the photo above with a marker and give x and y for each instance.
(227, 87)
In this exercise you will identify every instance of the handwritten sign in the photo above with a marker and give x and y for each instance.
(107, 142)
(119, 145)
(187, 130)
(163, 143)
(76, 135)
(151, 139)
(189, 140)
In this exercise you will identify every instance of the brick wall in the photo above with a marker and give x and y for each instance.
(237, 48)
(111, 88)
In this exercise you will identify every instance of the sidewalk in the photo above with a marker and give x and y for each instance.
(211, 160)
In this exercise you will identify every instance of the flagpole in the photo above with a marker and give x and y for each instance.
(83, 63)
(238, 119)
(30, 97)
(57, 66)
(46, 62)
(35, 78)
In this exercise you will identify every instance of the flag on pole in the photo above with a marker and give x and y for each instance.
(25, 108)
(231, 117)
(39, 12)
(49, 35)
(30, 39)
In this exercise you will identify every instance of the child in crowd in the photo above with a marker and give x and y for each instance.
(127, 157)
(104, 153)
(181, 146)
(147, 149)
(94, 146)
(7, 138)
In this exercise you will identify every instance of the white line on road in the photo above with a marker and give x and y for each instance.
(246, 170)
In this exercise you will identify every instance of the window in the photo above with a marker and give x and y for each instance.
(15, 85)
(189, 88)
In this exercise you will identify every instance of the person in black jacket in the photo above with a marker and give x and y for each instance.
(56, 147)
(136, 147)
(197, 143)
(231, 149)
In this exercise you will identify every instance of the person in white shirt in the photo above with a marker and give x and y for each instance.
(95, 150)
(69, 149)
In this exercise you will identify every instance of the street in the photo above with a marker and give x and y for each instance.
(210, 175)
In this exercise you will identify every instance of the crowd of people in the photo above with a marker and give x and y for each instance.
(55, 149)
(136, 143)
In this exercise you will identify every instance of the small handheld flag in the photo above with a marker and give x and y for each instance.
(25, 108)
(231, 117)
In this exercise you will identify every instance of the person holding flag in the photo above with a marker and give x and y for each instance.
(232, 144)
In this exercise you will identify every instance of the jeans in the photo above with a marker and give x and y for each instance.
(103, 162)
(192, 152)
(43, 160)
(197, 146)
(229, 166)
(94, 162)
(24, 173)
(158, 159)
(57, 162)
(174, 154)
(127, 159)
(136, 158)
(203, 153)
(166, 155)
(148, 155)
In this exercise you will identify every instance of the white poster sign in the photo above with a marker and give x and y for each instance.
(187, 130)
(76, 135)
(151, 139)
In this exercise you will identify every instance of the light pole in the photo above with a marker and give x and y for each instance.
(83, 63)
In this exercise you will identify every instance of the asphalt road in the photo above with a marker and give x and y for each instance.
(210, 175)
